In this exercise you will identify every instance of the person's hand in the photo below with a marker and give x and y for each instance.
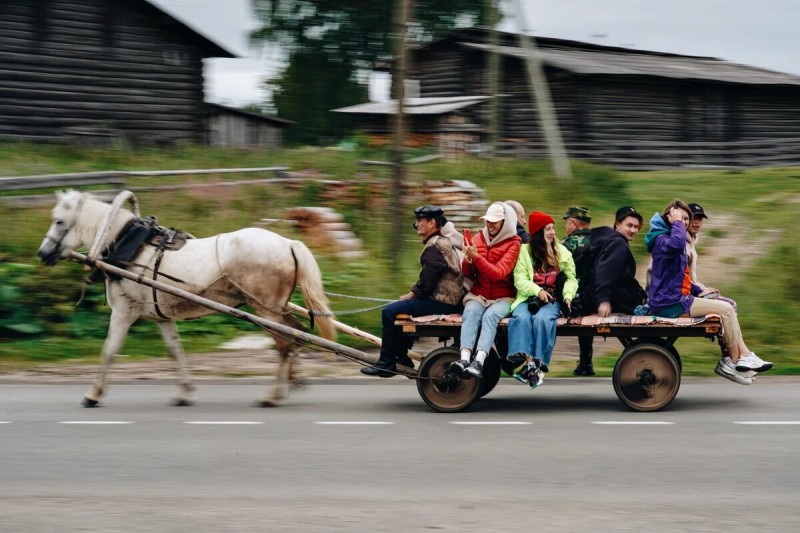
(674, 214)
(407, 296)
(709, 290)
(545, 296)
(604, 309)
(470, 252)
(568, 303)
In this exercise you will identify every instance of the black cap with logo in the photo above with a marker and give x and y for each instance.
(697, 211)
(627, 211)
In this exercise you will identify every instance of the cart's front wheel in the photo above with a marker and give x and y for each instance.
(646, 377)
(440, 388)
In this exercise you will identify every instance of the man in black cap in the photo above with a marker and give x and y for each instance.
(576, 224)
(438, 291)
(613, 285)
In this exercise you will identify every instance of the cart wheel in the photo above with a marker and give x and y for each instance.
(646, 377)
(442, 390)
(491, 374)
(669, 347)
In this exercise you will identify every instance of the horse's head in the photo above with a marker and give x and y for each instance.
(62, 236)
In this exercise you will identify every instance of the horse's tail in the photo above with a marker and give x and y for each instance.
(309, 278)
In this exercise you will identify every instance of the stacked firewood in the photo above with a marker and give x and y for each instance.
(463, 201)
(326, 230)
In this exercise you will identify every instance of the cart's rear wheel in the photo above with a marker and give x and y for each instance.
(491, 374)
(646, 377)
(440, 388)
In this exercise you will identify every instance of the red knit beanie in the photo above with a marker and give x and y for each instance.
(537, 220)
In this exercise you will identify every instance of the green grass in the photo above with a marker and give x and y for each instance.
(763, 201)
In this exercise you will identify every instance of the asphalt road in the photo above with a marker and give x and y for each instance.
(371, 456)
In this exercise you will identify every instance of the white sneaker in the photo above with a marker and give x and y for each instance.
(752, 362)
(727, 370)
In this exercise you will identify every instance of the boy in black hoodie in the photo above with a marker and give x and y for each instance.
(613, 284)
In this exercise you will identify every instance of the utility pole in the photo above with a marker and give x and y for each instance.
(541, 93)
(492, 74)
(401, 16)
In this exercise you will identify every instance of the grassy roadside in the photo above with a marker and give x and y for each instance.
(763, 202)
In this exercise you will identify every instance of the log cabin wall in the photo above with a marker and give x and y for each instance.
(634, 115)
(98, 66)
(234, 128)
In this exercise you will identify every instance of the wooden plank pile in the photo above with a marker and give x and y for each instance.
(463, 201)
(327, 230)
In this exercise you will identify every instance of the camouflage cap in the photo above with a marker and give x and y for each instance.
(578, 212)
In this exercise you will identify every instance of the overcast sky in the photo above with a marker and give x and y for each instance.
(762, 33)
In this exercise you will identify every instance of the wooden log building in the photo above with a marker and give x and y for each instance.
(98, 69)
(625, 107)
(230, 127)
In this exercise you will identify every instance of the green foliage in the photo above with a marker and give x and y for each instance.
(329, 43)
(39, 302)
(306, 91)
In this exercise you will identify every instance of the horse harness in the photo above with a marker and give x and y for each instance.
(134, 236)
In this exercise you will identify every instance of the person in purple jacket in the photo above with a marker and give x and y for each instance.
(672, 293)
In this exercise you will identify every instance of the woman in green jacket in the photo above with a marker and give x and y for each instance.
(532, 329)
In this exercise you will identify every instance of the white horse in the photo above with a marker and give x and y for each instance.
(252, 266)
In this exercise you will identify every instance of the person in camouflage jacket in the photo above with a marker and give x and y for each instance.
(577, 225)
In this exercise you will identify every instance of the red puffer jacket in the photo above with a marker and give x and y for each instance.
(493, 269)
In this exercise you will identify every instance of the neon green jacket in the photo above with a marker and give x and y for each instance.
(523, 274)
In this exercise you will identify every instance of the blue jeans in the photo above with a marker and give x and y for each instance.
(395, 345)
(477, 317)
(533, 334)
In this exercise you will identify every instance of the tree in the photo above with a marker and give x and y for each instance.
(330, 41)
(305, 92)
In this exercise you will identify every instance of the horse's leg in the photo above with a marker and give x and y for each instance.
(118, 327)
(279, 390)
(169, 332)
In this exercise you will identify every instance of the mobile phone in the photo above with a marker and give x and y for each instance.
(467, 237)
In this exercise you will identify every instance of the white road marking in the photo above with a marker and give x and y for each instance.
(631, 423)
(491, 423)
(95, 422)
(354, 423)
(223, 422)
(769, 422)
(5, 421)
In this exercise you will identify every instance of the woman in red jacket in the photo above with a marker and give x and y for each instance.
(489, 261)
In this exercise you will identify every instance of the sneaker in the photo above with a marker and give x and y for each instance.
(727, 370)
(752, 362)
(475, 369)
(730, 364)
(525, 372)
(544, 368)
(459, 368)
(537, 378)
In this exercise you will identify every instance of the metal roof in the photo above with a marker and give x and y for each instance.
(635, 63)
(414, 106)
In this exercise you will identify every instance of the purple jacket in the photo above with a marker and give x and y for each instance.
(669, 266)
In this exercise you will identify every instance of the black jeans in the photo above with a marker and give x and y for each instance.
(394, 345)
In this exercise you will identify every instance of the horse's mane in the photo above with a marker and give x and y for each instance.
(90, 214)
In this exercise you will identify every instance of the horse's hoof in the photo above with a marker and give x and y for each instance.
(181, 402)
(88, 402)
(267, 403)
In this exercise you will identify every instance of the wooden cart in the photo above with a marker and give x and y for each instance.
(647, 375)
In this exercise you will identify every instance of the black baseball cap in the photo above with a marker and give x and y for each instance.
(627, 211)
(428, 211)
(697, 211)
